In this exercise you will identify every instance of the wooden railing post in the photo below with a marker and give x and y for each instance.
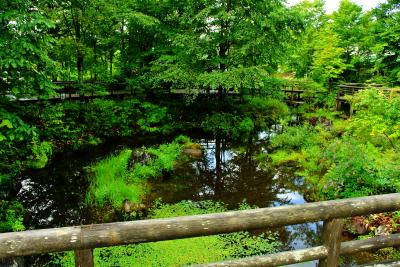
(84, 258)
(331, 234)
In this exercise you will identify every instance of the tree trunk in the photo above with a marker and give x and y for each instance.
(95, 59)
(79, 53)
(222, 68)
(111, 63)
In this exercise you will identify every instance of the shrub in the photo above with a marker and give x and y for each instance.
(11, 216)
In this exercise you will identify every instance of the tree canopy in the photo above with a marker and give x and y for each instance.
(212, 45)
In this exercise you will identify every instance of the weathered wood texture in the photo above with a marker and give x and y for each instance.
(84, 258)
(112, 234)
(278, 259)
(331, 234)
(378, 242)
(310, 254)
(389, 263)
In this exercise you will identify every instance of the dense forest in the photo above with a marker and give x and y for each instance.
(155, 82)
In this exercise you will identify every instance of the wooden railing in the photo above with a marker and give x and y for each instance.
(84, 238)
(295, 94)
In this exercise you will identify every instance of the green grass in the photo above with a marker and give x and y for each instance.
(112, 182)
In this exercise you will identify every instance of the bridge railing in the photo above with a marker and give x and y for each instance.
(82, 239)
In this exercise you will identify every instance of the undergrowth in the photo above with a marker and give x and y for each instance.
(347, 158)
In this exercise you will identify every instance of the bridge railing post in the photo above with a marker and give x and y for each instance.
(84, 258)
(331, 235)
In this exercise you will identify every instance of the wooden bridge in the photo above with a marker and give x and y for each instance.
(294, 93)
(83, 239)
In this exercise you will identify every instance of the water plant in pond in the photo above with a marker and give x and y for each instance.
(114, 181)
(111, 182)
(183, 251)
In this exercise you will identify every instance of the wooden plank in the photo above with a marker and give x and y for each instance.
(378, 242)
(120, 233)
(84, 258)
(292, 257)
(331, 234)
(388, 263)
(278, 259)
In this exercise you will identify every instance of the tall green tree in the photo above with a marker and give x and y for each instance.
(224, 44)
(352, 26)
(386, 41)
(328, 63)
(302, 49)
(101, 39)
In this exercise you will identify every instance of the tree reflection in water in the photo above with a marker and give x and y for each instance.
(233, 175)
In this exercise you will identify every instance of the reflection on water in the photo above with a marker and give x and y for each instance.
(227, 173)
(54, 196)
(234, 175)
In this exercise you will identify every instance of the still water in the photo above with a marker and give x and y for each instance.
(228, 173)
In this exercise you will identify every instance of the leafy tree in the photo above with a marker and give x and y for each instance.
(386, 40)
(25, 65)
(224, 45)
(328, 63)
(349, 24)
(302, 49)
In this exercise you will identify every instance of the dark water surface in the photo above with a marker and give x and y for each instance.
(55, 196)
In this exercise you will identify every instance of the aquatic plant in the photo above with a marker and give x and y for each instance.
(112, 181)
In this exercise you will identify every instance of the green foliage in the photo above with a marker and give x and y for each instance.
(162, 160)
(352, 171)
(349, 44)
(152, 119)
(294, 138)
(264, 111)
(384, 36)
(327, 59)
(302, 49)
(183, 251)
(40, 155)
(350, 158)
(20, 147)
(185, 208)
(25, 64)
(256, 114)
(377, 120)
(222, 124)
(11, 216)
(98, 119)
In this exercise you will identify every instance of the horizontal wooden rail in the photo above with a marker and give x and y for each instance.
(121, 233)
(315, 253)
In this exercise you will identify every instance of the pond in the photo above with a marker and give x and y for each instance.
(227, 173)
